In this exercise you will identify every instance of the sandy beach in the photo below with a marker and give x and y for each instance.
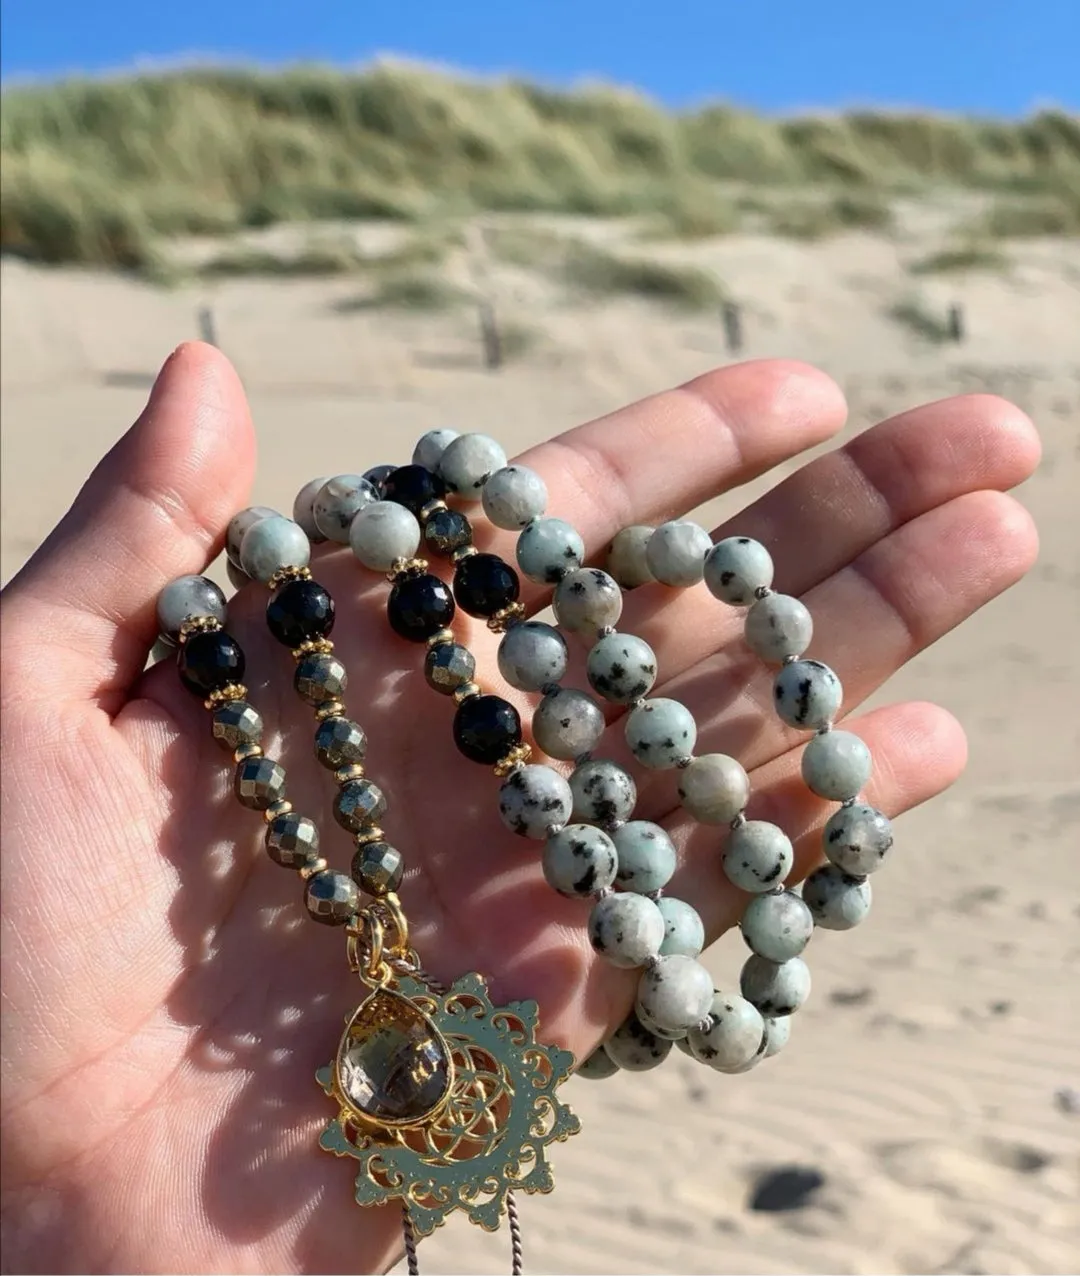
(933, 1089)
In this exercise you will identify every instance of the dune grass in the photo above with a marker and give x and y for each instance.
(961, 259)
(99, 170)
(814, 219)
(921, 321)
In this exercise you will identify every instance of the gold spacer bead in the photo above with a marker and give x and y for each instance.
(284, 574)
(466, 692)
(282, 807)
(366, 836)
(246, 751)
(331, 709)
(406, 567)
(197, 625)
(354, 771)
(466, 551)
(233, 691)
(440, 638)
(517, 756)
(316, 866)
(432, 507)
(502, 620)
(311, 647)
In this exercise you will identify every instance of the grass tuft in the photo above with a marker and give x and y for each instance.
(960, 260)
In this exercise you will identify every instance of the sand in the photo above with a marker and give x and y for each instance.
(932, 1091)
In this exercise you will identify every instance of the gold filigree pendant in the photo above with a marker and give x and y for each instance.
(446, 1101)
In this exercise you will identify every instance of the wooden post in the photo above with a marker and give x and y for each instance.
(207, 326)
(489, 335)
(732, 320)
(956, 324)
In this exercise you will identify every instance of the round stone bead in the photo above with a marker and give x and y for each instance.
(377, 868)
(714, 788)
(684, 931)
(735, 568)
(626, 929)
(383, 532)
(419, 606)
(674, 994)
(377, 476)
(567, 723)
(467, 462)
(597, 1066)
(514, 496)
(836, 765)
(579, 861)
(634, 1048)
(647, 857)
(486, 728)
(430, 447)
(292, 840)
(259, 783)
(603, 792)
(547, 549)
(484, 584)
(669, 1034)
(413, 486)
(358, 804)
(449, 666)
(586, 600)
(676, 553)
(300, 611)
(238, 528)
(807, 694)
(661, 733)
(736, 1034)
(777, 925)
(776, 988)
(340, 742)
(209, 661)
(531, 655)
(237, 577)
(758, 856)
(271, 544)
(235, 724)
(778, 626)
(187, 598)
(532, 799)
(777, 1034)
(621, 667)
(338, 502)
(331, 897)
(320, 677)
(447, 531)
(303, 510)
(857, 839)
(837, 901)
(626, 557)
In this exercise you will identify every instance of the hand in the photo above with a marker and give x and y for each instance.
(166, 1001)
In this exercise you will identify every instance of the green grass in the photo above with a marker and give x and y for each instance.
(815, 219)
(591, 270)
(415, 290)
(922, 322)
(961, 259)
(1056, 216)
(99, 170)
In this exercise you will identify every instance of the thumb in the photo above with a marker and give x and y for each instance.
(79, 619)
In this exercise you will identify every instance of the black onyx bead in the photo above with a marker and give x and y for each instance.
(486, 728)
(446, 531)
(209, 661)
(419, 606)
(299, 612)
(413, 487)
(377, 476)
(485, 584)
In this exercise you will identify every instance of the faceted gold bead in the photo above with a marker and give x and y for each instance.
(466, 692)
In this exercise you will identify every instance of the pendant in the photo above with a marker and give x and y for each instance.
(446, 1101)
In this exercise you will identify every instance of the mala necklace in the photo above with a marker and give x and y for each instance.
(446, 1101)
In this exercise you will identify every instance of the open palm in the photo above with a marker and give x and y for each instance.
(165, 1000)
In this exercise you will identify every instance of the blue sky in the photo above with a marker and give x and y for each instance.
(996, 57)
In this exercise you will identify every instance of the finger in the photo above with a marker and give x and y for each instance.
(670, 452)
(155, 508)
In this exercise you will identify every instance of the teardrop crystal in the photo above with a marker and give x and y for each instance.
(392, 1064)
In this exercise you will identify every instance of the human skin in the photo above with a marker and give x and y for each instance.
(165, 999)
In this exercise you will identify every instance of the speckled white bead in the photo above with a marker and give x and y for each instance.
(567, 724)
(303, 512)
(674, 994)
(634, 1048)
(758, 856)
(647, 858)
(467, 462)
(676, 553)
(836, 765)
(735, 568)
(735, 1035)
(626, 929)
(837, 901)
(857, 839)
(430, 447)
(714, 788)
(238, 526)
(273, 543)
(597, 1066)
(776, 988)
(684, 931)
(807, 694)
(382, 532)
(778, 626)
(531, 655)
(587, 600)
(579, 861)
(532, 799)
(626, 558)
(777, 925)
(621, 667)
(514, 496)
(337, 503)
(604, 793)
(547, 549)
(661, 733)
(186, 598)
(777, 1034)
